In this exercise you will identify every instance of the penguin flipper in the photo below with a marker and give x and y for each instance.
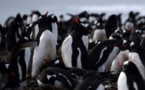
(30, 44)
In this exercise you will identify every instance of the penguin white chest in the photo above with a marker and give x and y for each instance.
(66, 51)
(85, 41)
(46, 50)
(122, 82)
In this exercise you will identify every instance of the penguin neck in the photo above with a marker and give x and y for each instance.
(76, 34)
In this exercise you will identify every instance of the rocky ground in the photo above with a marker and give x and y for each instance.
(109, 79)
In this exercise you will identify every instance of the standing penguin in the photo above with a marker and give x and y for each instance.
(130, 23)
(102, 55)
(14, 32)
(130, 78)
(111, 25)
(73, 50)
(134, 57)
(46, 48)
(99, 33)
(19, 61)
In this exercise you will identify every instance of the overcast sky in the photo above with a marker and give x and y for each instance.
(12, 7)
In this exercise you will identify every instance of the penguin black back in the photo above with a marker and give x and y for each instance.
(111, 25)
(95, 53)
(133, 75)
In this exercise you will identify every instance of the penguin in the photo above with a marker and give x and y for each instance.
(53, 19)
(91, 82)
(117, 34)
(135, 47)
(85, 37)
(34, 27)
(46, 48)
(135, 36)
(73, 50)
(126, 34)
(116, 66)
(77, 72)
(29, 20)
(14, 32)
(18, 63)
(130, 78)
(130, 23)
(102, 55)
(35, 15)
(52, 24)
(55, 78)
(58, 62)
(111, 25)
(140, 22)
(99, 33)
(134, 57)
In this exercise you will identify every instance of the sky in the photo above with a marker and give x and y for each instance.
(57, 7)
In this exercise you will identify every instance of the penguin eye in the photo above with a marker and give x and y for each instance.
(84, 25)
(98, 24)
(56, 62)
(40, 17)
(126, 63)
(124, 41)
(124, 31)
(132, 43)
(26, 38)
(138, 31)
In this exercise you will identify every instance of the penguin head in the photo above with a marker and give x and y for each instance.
(117, 35)
(81, 27)
(129, 66)
(100, 23)
(111, 25)
(43, 21)
(126, 34)
(36, 12)
(51, 77)
(83, 14)
(18, 18)
(52, 18)
(124, 44)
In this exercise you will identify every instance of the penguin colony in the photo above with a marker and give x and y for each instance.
(86, 52)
